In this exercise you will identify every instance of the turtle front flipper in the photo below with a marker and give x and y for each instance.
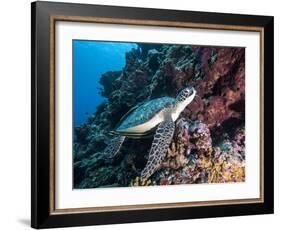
(159, 148)
(114, 146)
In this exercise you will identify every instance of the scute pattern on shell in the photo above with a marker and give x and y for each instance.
(145, 112)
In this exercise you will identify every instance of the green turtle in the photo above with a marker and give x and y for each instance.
(159, 114)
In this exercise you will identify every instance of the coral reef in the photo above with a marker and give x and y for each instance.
(192, 158)
(209, 141)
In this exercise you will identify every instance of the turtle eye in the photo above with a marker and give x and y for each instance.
(184, 94)
(187, 92)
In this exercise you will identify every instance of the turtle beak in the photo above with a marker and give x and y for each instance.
(194, 91)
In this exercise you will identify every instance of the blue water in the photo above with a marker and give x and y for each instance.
(90, 60)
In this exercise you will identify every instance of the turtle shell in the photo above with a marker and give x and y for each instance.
(143, 113)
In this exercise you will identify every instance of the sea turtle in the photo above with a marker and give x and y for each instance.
(159, 113)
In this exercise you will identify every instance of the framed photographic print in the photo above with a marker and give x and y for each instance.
(147, 114)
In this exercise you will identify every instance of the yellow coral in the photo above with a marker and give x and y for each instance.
(239, 174)
(140, 182)
(214, 175)
(205, 162)
(224, 171)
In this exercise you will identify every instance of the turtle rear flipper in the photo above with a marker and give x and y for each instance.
(159, 148)
(114, 146)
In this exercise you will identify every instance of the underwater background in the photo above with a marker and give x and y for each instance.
(110, 78)
(90, 60)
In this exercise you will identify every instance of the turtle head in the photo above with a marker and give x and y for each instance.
(186, 96)
(183, 99)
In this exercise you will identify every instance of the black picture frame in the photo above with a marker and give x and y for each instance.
(43, 14)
